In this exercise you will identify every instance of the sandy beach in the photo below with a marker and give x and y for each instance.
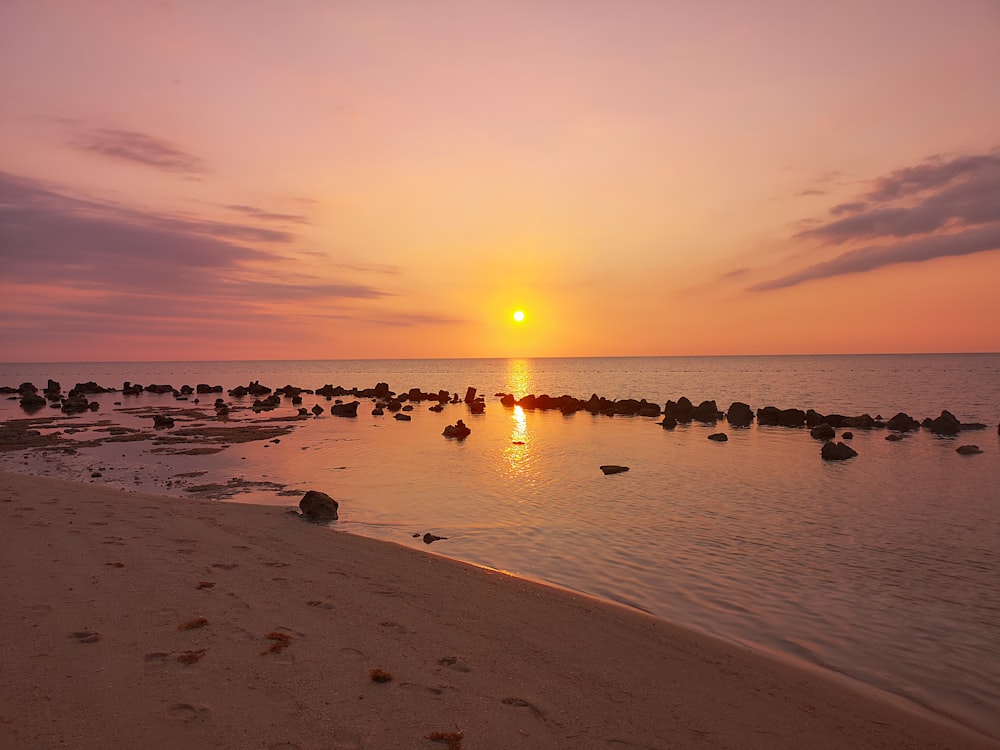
(139, 621)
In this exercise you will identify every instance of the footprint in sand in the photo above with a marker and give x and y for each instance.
(187, 713)
(521, 703)
(453, 662)
(86, 636)
(395, 627)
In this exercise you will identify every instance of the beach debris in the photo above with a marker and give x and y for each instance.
(968, 450)
(452, 739)
(190, 657)
(719, 437)
(458, 431)
(197, 622)
(430, 538)
(823, 432)
(613, 469)
(86, 636)
(837, 452)
(205, 585)
(318, 507)
(380, 675)
(280, 641)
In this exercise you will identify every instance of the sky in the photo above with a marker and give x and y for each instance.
(237, 179)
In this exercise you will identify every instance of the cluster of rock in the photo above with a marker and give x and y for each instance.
(74, 402)
(458, 431)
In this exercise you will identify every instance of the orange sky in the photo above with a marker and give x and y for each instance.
(230, 180)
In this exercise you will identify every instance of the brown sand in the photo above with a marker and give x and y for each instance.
(132, 621)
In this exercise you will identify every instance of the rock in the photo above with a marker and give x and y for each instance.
(837, 452)
(509, 401)
(470, 395)
(739, 414)
(318, 507)
(345, 410)
(394, 406)
(848, 436)
(719, 437)
(668, 423)
(458, 431)
(378, 411)
(823, 432)
(706, 411)
(303, 411)
(32, 401)
(161, 421)
(436, 407)
(159, 389)
(402, 417)
(862, 422)
(25, 388)
(968, 450)
(612, 469)
(893, 437)
(902, 422)
(681, 410)
(946, 424)
(429, 538)
(206, 388)
(478, 406)
(75, 403)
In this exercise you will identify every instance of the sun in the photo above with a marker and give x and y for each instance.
(519, 316)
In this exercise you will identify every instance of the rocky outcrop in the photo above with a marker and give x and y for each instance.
(946, 424)
(206, 388)
(161, 421)
(706, 411)
(470, 395)
(318, 507)
(159, 389)
(837, 452)
(775, 417)
(823, 432)
(902, 422)
(349, 409)
(402, 417)
(668, 423)
(457, 431)
(32, 402)
(739, 414)
(719, 437)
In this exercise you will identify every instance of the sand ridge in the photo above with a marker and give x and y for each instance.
(140, 621)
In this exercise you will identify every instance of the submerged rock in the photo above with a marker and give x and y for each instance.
(968, 450)
(739, 414)
(345, 410)
(719, 437)
(823, 432)
(613, 469)
(318, 506)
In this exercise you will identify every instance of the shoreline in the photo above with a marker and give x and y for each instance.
(505, 661)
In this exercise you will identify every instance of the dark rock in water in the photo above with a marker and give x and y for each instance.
(848, 436)
(408, 407)
(75, 403)
(186, 390)
(317, 409)
(612, 469)
(668, 423)
(893, 437)
(303, 411)
(394, 405)
(792, 418)
(823, 432)
(161, 421)
(862, 422)
(345, 410)
(681, 410)
(458, 431)
(318, 506)
(706, 411)
(436, 407)
(378, 411)
(719, 437)
(769, 416)
(162, 388)
(814, 418)
(739, 414)
(946, 424)
(25, 388)
(91, 387)
(206, 388)
(478, 406)
(470, 395)
(32, 401)
(902, 422)
(53, 386)
(430, 538)
(837, 452)
(508, 400)
(968, 450)
(402, 417)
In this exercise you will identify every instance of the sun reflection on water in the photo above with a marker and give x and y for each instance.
(517, 453)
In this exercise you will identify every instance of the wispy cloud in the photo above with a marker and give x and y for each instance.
(139, 148)
(173, 264)
(263, 215)
(939, 208)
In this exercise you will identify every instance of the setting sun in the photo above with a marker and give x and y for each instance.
(519, 316)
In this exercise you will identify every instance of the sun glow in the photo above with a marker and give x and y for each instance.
(519, 316)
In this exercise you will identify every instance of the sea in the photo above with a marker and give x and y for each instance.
(884, 568)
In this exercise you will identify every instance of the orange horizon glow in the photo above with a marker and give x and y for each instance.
(217, 181)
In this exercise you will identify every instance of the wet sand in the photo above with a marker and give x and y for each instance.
(139, 621)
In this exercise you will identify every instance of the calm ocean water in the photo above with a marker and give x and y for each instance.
(885, 568)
